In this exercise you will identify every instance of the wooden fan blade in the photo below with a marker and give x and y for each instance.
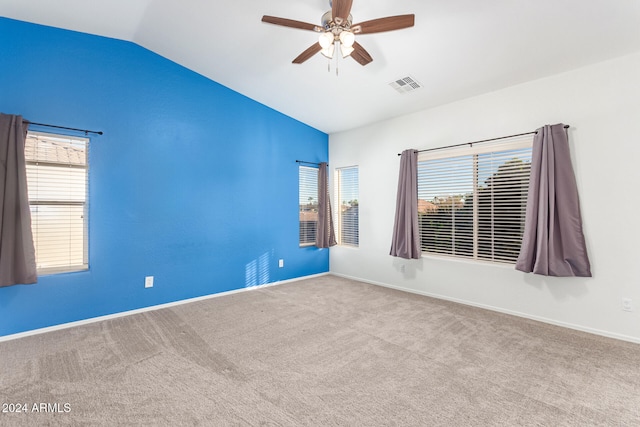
(315, 48)
(380, 25)
(360, 55)
(290, 23)
(341, 10)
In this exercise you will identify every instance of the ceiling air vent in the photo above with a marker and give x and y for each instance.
(405, 84)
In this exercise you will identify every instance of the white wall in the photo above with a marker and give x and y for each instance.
(602, 104)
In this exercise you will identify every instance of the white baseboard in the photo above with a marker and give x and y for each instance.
(150, 308)
(500, 310)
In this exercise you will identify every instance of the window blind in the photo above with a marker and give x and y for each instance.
(308, 204)
(57, 173)
(472, 203)
(346, 192)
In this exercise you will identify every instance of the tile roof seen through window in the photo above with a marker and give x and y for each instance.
(68, 151)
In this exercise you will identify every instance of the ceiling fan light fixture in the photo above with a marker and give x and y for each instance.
(347, 38)
(326, 39)
(328, 51)
(346, 50)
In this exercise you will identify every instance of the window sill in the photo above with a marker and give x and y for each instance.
(480, 262)
(62, 270)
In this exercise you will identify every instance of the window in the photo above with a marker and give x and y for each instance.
(471, 204)
(308, 203)
(346, 192)
(57, 183)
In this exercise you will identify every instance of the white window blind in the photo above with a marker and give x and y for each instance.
(57, 171)
(471, 203)
(346, 192)
(308, 204)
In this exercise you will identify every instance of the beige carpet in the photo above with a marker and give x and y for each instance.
(325, 351)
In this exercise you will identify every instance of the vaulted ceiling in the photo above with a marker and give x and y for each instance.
(457, 48)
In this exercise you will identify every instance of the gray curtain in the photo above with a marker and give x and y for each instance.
(553, 243)
(325, 235)
(406, 238)
(17, 254)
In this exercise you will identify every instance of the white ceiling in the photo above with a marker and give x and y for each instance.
(457, 49)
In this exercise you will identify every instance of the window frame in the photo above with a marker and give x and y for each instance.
(524, 143)
(32, 164)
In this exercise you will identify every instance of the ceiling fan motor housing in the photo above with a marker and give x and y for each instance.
(331, 26)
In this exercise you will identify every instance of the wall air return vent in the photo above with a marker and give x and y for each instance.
(405, 84)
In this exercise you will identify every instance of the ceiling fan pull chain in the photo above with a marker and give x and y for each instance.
(337, 59)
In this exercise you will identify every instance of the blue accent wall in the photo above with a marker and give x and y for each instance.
(191, 182)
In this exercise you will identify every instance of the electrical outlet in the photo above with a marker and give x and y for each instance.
(281, 263)
(402, 268)
(148, 282)
(627, 304)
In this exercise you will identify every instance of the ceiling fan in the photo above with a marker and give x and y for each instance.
(337, 29)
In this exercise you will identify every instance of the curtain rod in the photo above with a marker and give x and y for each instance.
(470, 144)
(64, 127)
(309, 163)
